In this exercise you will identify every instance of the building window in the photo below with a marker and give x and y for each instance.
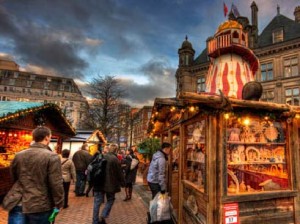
(16, 75)
(291, 67)
(266, 71)
(12, 82)
(48, 79)
(32, 77)
(46, 85)
(277, 35)
(62, 87)
(200, 84)
(64, 81)
(28, 83)
(268, 96)
(292, 96)
(5, 88)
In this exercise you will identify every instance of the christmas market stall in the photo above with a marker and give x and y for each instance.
(17, 120)
(235, 159)
(95, 139)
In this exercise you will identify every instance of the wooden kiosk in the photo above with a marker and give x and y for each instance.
(235, 159)
(247, 156)
(17, 120)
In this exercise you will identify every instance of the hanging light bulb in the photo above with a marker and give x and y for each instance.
(192, 109)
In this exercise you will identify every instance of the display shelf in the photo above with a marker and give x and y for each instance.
(256, 143)
(255, 163)
(190, 160)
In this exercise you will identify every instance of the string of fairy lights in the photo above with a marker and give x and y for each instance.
(20, 113)
(241, 114)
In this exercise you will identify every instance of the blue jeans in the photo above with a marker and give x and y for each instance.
(17, 217)
(98, 200)
(38, 218)
(80, 183)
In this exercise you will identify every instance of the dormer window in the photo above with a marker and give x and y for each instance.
(277, 35)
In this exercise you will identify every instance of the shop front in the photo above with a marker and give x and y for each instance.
(17, 120)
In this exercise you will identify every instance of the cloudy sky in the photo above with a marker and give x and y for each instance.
(134, 40)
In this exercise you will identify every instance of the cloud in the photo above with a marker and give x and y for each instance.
(92, 42)
(161, 83)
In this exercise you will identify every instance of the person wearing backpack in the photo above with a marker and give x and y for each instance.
(113, 181)
(131, 167)
(68, 174)
(81, 160)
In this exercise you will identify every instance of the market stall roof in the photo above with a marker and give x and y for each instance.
(91, 136)
(171, 110)
(29, 115)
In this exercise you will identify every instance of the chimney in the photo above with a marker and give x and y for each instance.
(297, 14)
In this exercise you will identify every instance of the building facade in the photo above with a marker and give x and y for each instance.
(16, 85)
(277, 47)
(140, 124)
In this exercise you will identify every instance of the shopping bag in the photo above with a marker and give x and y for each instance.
(159, 208)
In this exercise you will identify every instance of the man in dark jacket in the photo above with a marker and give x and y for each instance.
(37, 171)
(157, 171)
(114, 179)
(81, 160)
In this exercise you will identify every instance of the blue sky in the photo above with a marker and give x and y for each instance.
(134, 40)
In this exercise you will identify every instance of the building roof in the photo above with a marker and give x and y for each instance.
(92, 136)
(202, 58)
(291, 30)
(10, 107)
(29, 115)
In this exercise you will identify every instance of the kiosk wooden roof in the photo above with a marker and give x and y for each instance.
(29, 115)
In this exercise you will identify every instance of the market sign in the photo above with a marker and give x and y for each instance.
(231, 213)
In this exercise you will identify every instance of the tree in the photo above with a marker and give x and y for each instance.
(104, 111)
(150, 146)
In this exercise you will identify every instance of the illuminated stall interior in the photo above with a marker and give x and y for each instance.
(17, 120)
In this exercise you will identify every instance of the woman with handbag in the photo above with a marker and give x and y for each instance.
(130, 170)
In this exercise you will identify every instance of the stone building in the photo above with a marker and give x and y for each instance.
(277, 47)
(16, 85)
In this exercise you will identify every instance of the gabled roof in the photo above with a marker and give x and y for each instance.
(92, 136)
(28, 115)
(291, 30)
(8, 107)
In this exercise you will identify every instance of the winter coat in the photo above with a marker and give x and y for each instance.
(157, 170)
(82, 159)
(68, 170)
(130, 175)
(38, 171)
(114, 178)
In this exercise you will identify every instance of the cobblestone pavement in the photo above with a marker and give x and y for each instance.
(80, 209)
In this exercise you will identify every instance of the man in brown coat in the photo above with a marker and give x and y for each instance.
(37, 172)
(81, 160)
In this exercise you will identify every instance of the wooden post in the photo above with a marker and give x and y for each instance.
(180, 170)
(295, 163)
(211, 172)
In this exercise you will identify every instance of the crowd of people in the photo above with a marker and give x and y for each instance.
(42, 180)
